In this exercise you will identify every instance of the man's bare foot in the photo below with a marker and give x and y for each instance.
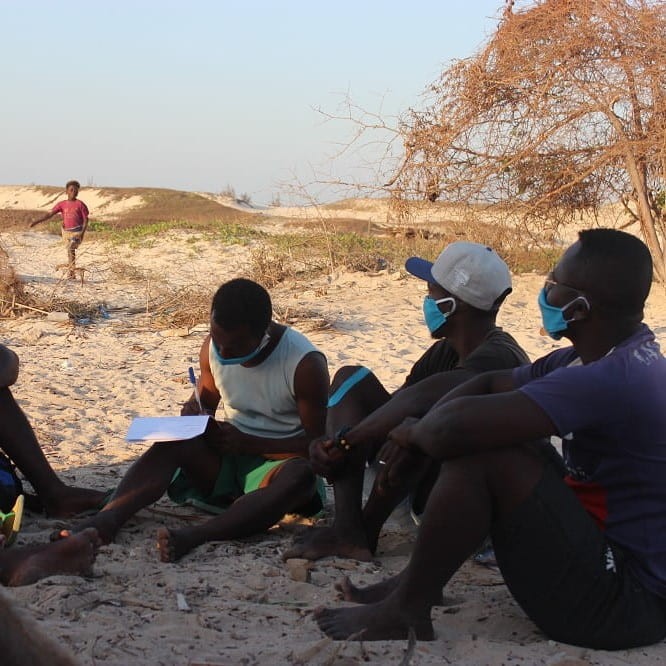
(374, 593)
(375, 622)
(72, 500)
(326, 542)
(366, 595)
(75, 555)
(103, 523)
(171, 545)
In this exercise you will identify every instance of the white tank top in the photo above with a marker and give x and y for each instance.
(260, 400)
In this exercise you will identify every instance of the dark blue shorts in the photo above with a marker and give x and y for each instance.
(569, 578)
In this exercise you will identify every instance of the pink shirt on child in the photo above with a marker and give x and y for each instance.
(74, 214)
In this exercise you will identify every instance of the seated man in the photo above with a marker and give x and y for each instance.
(466, 286)
(583, 555)
(273, 384)
(18, 442)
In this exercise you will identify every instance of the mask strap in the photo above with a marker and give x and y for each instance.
(444, 300)
(570, 303)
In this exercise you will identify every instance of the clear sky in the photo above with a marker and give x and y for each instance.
(204, 94)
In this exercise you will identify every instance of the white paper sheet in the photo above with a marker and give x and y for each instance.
(166, 428)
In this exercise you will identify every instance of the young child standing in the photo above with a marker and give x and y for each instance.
(74, 223)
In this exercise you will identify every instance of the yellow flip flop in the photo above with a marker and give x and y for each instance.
(10, 523)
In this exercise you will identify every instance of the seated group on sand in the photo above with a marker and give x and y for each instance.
(580, 539)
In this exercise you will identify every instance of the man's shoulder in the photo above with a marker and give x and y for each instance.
(297, 339)
(499, 336)
(500, 344)
(293, 347)
(439, 357)
(440, 349)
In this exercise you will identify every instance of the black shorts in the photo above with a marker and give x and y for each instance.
(568, 578)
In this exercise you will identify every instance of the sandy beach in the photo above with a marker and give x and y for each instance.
(82, 383)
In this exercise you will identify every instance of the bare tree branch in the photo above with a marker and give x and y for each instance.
(562, 111)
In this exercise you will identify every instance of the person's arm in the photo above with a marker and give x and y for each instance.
(85, 213)
(311, 381)
(482, 414)
(48, 216)
(413, 400)
(398, 447)
(498, 381)
(208, 393)
(9, 367)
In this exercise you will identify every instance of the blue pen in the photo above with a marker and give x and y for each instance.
(193, 380)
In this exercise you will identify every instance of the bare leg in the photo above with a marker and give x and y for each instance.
(24, 566)
(23, 641)
(382, 502)
(148, 479)
(482, 488)
(71, 259)
(253, 513)
(347, 536)
(18, 441)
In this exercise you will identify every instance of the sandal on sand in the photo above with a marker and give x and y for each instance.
(10, 523)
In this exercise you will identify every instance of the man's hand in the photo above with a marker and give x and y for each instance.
(397, 457)
(190, 408)
(326, 457)
(402, 435)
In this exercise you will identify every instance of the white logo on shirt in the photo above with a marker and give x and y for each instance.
(647, 353)
(610, 560)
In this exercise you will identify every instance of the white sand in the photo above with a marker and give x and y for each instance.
(82, 385)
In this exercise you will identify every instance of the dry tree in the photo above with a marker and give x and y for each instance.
(561, 112)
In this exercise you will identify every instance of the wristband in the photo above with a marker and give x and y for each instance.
(339, 440)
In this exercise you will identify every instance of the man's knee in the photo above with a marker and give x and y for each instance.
(509, 467)
(9, 406)
(179, 451)
(359, 385)
(343, 374)
(298, 475)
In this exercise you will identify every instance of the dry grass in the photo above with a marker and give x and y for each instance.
(300, 257)
(305, 319)
(183, 307)
(12, 292)
(291, 259)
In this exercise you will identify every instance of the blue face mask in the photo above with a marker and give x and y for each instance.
(237, 360)
(553, 318)
(434, 317)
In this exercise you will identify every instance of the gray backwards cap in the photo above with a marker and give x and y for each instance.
(471, 271)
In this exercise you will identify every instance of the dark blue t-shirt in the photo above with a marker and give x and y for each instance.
(611, 415)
